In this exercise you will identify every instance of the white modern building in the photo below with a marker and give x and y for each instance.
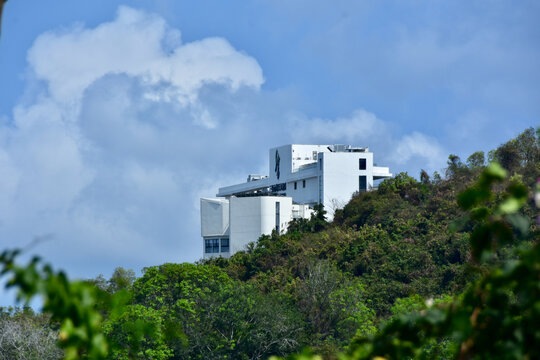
(300, 176)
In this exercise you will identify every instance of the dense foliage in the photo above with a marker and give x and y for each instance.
(444, 267)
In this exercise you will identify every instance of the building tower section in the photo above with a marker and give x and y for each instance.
(299, 177)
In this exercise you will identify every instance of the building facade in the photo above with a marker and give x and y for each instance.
(300, 176)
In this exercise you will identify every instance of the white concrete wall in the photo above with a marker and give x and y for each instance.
(292, 157)
(251, 217)
(381, 172)
(307, 195)
(341, 174)
(285, 213)
(285, 163)
(301, 211)
(214, 217)
(245, 221)
(303, 154)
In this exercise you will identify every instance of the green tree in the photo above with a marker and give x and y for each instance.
(353, 316)
(424, 177)
(220, 317)
(139, 332)
(121, 279)
(334, 306)
(476, 160)
(318, 219)
(454, 166)
(520, 154)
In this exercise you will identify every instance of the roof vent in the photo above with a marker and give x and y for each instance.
(339, 148)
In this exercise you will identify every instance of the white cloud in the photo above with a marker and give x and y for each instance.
(132, 44)
(107, 159)
(361, 126)
(154, 184)
(417, 145)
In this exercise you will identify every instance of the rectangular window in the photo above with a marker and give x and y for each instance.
(211, 246)
(278, 187)
(303, 183)
(224, 244)
(362, 164)
(321, 194)
(320, 164)
(295, 185)
(277, 217)
(363, 183)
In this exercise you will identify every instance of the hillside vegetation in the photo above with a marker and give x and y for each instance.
(411, 247)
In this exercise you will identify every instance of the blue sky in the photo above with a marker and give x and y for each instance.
(115, 117)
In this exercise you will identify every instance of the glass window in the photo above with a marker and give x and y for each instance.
(362, 164)
(295, 185)
(303, 183)
(224, 244)
(211, 246)
(363, 183)
(277, 217)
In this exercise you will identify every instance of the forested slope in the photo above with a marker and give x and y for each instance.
(386, 253)
(399, 241)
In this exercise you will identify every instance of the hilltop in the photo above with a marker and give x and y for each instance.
(388, 252)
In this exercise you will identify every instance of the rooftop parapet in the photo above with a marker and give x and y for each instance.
(347, 148)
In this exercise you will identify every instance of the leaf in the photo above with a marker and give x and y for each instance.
(472, 197)
(519, 222)
(509, 206)
(494, 172)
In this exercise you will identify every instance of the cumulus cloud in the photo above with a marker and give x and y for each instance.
(361, 126)
(133, 126)
(106, 158)
(133, 44)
